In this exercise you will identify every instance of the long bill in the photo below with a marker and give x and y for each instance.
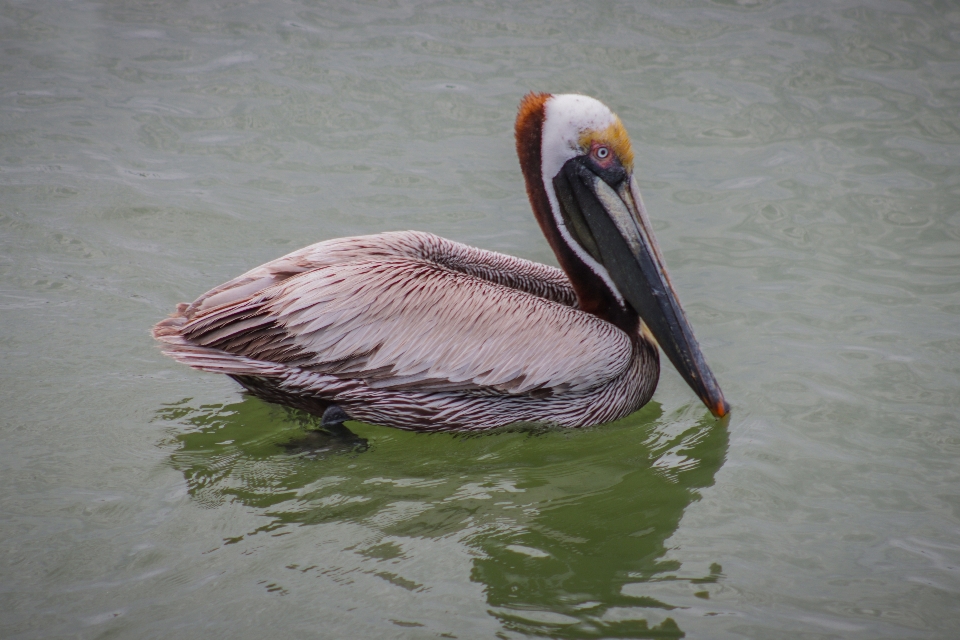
(611, 224)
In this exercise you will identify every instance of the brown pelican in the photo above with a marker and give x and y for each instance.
(414, 331)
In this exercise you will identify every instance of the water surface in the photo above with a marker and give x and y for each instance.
(801, 163)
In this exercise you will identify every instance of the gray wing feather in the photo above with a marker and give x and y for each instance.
(410, 311)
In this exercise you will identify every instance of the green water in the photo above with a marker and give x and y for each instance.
(801, 163)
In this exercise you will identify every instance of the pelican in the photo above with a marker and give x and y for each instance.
(410, 330)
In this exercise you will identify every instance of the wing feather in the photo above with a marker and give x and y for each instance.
(411, 312)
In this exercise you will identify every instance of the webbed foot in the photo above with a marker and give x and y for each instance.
(332, 435)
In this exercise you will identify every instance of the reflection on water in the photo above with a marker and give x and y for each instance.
(565, 527)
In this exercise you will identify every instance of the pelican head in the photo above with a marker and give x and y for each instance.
(578, 165)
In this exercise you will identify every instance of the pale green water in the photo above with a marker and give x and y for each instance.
(801, 161)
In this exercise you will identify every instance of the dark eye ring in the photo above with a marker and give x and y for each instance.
(602, 153)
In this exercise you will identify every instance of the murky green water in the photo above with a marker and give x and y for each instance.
(801, 162)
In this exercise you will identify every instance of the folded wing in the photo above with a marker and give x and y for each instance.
(402, 319)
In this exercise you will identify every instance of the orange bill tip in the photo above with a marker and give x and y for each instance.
(720, 409)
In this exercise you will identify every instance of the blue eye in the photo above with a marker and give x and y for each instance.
(602, 153)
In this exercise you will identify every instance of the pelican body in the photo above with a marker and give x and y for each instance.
(410, 330)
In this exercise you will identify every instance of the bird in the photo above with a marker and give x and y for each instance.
(410, 330)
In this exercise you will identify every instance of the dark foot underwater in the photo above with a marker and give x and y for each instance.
(332, 436)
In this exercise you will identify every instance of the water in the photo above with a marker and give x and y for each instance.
(801, 162)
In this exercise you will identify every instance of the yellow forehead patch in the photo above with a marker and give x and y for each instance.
(615, 136)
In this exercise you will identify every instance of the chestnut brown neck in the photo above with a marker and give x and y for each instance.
(593, 294)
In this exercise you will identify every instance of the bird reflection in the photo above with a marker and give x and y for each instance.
(603, 531)
(568, 529)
